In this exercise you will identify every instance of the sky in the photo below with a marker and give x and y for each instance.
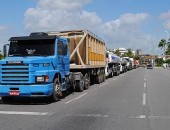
(135, 24)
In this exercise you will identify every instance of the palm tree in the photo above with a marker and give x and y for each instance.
(130, 53)
(162, 44)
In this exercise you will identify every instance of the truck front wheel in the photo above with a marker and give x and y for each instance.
(56, 90)
(6, 99)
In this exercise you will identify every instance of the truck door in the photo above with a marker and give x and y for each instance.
(60, 56)
(63, 57)
(66, 59)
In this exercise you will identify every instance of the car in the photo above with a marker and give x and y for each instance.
(149, 67)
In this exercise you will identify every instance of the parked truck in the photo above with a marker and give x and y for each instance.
(47, 64)
(113, 64)
(129, 63)
(132, 63)
(123, 67)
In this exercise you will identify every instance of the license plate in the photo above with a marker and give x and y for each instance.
(14, 93)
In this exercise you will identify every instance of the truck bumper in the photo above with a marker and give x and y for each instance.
(27, 90)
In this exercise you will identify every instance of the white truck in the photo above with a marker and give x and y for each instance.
(123, 67)
(132, 62)
(113, 64)
(129, 63)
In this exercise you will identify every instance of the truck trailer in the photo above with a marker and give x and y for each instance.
(47, 64)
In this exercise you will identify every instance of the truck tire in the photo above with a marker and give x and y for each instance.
(6, 99)
(111, 75)
(80, 84)
(104, 77)
(98, 79)
(56, 90)
(86, 81)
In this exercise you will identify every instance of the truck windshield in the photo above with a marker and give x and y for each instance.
(32, 48)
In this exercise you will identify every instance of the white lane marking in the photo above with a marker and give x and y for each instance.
(144, 99)
(23, 113)
(114, 78)
(103, 84)
(144, 85)
(151, 117)
(142, 116)
(159, 117)
(139, 117)
(76, 98)
(144, 78)
(121, 75)
(92, 115)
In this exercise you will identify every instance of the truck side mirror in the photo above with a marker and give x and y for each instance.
(5, 50)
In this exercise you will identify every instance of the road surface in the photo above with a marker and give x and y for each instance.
(136, 100)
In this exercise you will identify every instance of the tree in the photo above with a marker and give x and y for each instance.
(129, 53)
(162, 44)
(159, 61)
(117, 53)
(125, 55)
(167, 52)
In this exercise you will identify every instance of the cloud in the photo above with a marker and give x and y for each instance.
(2, 28)
(166, 18)
(61, 4)
(58, 15)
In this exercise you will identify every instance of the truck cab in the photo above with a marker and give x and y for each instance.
(36, 65)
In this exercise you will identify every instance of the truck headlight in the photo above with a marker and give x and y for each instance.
(40, 79)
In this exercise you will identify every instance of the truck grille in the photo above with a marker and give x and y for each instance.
(15, 73)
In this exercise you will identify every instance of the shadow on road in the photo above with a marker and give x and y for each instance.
(32, 101)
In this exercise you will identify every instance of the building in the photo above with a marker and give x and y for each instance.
(138, 52)
(121, 50)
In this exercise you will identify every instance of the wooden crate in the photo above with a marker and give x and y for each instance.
(86, 49)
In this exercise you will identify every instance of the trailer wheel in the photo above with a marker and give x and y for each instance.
(86, 81)
(111, 75)
(98, 79)
(104, 77)
(56, 90)
(80, 84)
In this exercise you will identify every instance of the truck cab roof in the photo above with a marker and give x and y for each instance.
(34, 36)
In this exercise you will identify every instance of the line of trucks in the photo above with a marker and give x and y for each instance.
(48, 64)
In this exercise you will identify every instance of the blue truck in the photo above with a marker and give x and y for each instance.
(48, 64)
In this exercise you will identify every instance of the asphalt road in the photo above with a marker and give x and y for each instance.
(136, 100)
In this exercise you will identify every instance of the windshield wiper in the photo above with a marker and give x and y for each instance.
(15, 55)
(37, 55)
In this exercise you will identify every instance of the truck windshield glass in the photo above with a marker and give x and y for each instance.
(32, 48)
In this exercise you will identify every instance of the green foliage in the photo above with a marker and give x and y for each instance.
(168, 61)
(125, 55)
(162, 44)
(159, 61)
(167, 52)
(129, 53)
(117, 53)
(1, 56)
(136, 57)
